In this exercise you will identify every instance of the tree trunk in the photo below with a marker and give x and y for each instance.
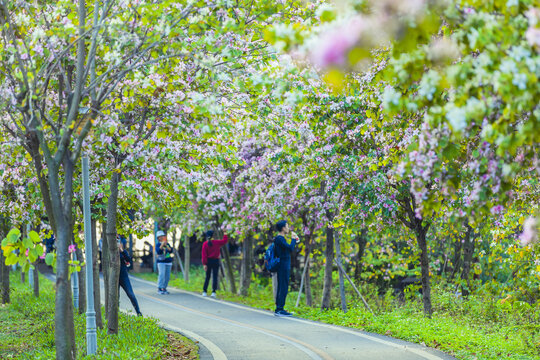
(33, 146)
(424, 263)
(187, 258)
(59, 210)
(64, 338)
(95, 269)
(245, 271)
(114, 256)
(82, 282)
(456, 263)
(4, 269)
(36, 282)
(307, 279)
(468, 251)
(420, 231)
(105, 264)
(328, 268)
(307, 264)
(23, 276)
(229, 268)
(361, 239)
(341, 277)
(175, 264)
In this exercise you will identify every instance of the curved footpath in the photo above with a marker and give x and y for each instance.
(226, 330)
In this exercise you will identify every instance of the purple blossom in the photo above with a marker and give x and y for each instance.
(530, 231)
(333, 46)
(498, 209)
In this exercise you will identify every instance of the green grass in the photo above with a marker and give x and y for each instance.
(475, 328)
(27, 331)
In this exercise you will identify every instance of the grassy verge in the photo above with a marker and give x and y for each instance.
(474, 328)
(27, 331)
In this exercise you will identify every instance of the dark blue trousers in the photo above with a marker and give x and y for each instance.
(212, 268)
(283, 276)
(126, 285)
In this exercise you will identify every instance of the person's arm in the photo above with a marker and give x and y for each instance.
(204, 255)
(280, 241)
(222, 241)
(159, 251)
(125, 256)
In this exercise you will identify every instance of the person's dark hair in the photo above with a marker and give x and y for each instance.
(209, 234)
(280, 225)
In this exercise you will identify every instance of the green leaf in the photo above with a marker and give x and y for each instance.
(32, 255)
(49, 259)
(34, 236)
(11, 259)
(27, 243)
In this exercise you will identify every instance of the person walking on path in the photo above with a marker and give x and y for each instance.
(164, 262)
(283, 250)
(125, 262)
(210, 260)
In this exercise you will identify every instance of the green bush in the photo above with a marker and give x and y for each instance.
(28, 329)
(478, 327)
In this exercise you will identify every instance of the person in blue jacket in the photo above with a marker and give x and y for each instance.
(164, 262)
(283, 250)
(123, 281)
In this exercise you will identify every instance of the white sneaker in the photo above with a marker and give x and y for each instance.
(204, 294)
(213, 295)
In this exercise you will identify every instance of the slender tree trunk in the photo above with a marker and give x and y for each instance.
(105, 264)
(341, 277)
(328, 268)
(307, 280)
(245, 271)
(308, 248)
(36, 282)
(456, 263)
(68, 216)
(468, 252)
(187, 257)
(59, 211)
(64, 338)
(4, 269)
(82, 282)
(23, 276)
(33, 146)
(95, 268)
(420, 230)
(229, 268)
(175, 264)
(424, 263)
(114, 256)
(361, 239)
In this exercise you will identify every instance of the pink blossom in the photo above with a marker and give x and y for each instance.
(533, 37)
(26, 253)
(332, 47)
(71, 248)
(497, 209)
(530, 231)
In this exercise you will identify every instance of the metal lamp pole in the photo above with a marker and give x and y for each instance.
(91, 334)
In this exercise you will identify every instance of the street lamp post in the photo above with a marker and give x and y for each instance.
(91, 334)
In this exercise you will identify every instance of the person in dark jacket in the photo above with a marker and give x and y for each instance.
(164, 262)
(125, 261)
(210, 260)
(283, 250)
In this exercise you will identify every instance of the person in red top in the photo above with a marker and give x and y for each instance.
(210, 260)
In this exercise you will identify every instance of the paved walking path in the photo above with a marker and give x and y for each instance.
(229, 331)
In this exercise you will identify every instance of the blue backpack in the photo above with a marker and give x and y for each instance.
(271, 262)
